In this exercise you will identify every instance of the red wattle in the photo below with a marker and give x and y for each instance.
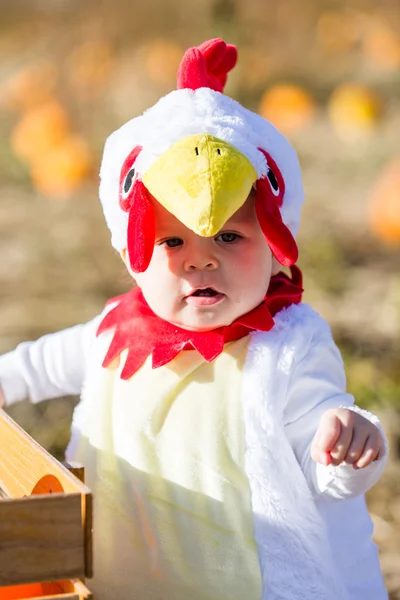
(141, 229)
(278, 236)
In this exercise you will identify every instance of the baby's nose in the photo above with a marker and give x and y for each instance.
(201, 259)
(207, 267)
(202, 265)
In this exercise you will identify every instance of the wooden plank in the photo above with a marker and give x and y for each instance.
(87, 520)
(78, 587)
(24, 464)
(41, 539)
(76, 469)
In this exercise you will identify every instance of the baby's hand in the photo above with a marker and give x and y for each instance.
(346, 436)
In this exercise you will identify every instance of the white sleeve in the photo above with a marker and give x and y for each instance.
(317, 384)
(52, 366)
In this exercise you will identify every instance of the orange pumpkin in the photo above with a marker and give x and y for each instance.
(161, 60)
(255, 66)
(29, 87)
(337, 32)
(381, 46)
(39, 130)
(384, 210)
(60, 171)
(18, 592)
(89, 66)
(354, 111)
(288, 107)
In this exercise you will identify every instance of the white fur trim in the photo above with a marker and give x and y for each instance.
(186, 112)
(289, 531)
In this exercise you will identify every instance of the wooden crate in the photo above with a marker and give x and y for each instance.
(45, 521)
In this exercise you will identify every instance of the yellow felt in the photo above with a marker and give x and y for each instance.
(201, 180)
(173, 514)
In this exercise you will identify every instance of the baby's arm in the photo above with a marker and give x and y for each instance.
(318, 385)
(52, 366)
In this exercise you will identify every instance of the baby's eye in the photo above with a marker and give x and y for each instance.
(228, 237)
(173, 242)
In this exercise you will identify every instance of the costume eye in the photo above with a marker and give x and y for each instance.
(228, 237)
(173, 242)
(128, 183)
(273, 182)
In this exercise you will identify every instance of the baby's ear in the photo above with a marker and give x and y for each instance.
(124, 255)
(276, 266)
(125, 259)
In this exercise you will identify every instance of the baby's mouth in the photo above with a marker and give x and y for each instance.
(208, 292)
(205, 297)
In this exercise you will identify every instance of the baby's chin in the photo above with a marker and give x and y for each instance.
(202, 325)
(198, 327)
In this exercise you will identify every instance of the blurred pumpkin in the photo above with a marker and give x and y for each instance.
(384, 210)
(288, 107)
(255, 66)
(29, 87)
(381, 46)
(39, 130)
(161, 60)
(89, 66)
(354, 111)
(337, 32)
(62, 169)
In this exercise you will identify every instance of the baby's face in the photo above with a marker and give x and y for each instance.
(201, 283)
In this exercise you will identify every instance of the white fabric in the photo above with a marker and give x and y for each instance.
(186, 112)
(50, 367)
(293, 375)
(304, 513)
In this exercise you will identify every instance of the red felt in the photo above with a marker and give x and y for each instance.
(129, 162)
(141, 229)
(141, 224)
(141, 332)
(280, 240)
(278, 175)
(207, 65)
(278, 236)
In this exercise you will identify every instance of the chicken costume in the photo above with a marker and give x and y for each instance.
(197, 445)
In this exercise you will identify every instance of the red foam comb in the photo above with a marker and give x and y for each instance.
(207, 65)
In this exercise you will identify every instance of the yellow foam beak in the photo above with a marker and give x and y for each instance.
(201, 180)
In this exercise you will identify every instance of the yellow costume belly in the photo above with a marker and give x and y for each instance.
(164, 454)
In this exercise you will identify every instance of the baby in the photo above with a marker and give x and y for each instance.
(226, 459)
